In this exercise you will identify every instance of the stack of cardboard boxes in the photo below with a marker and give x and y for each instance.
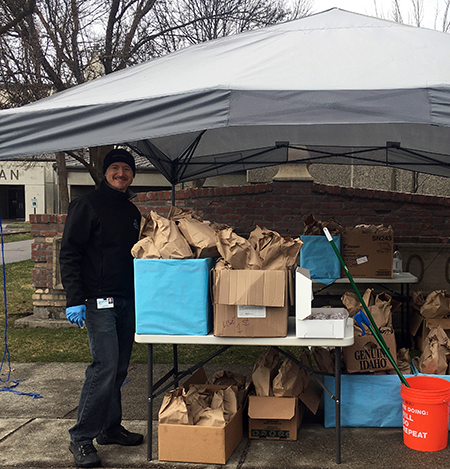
(197, 296)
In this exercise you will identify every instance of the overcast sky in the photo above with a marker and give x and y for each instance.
(384, 8)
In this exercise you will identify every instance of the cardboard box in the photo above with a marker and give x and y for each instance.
(328, 328)
(200, 444)
(368, 255)
(250, 303)
(273, 418)
(420, 327)
(197, 444)
(173, 296)
(366, 354)
(317, 256)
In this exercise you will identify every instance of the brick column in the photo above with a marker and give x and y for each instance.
(49, 299)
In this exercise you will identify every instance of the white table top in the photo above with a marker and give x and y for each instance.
(289, 340)
(405, 277)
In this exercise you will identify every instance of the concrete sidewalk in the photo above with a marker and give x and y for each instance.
(33, 432)
(17, 251)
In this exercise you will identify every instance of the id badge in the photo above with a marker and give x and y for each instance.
(104, 303)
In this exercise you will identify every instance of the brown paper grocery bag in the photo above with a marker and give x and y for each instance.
(276, 252)
(200, 236)
(229, 378)
(265, 369)
(290, 381)
(146, 228)
(434, 358)
(165, 241)
(417, 300)
(237, 251)
(324, 358)
(173, 408)
(145, 249)
(404, 361)
(437, 305)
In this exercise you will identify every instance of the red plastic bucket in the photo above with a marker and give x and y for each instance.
(425, 413)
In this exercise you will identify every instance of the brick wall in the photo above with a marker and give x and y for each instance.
(282, 206)
(421, 224)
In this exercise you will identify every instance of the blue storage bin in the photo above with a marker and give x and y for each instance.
(173, 296)
(367, 400)
(319, 258)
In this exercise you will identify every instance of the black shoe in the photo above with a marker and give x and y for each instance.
(121, 437)
(85, 455)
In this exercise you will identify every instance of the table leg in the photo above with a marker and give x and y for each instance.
(407, 344)
(337, 392)
(150, 402)
(404, 333)
(175, 365)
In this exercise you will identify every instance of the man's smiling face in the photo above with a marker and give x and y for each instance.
(119, 176)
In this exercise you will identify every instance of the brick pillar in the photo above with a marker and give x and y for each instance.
(49, 299)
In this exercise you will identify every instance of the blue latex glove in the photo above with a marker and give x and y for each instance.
(361, 319)
(76, 314)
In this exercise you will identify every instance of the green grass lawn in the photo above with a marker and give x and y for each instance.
(9, 238)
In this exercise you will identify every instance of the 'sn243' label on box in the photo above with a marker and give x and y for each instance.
(249, 311)
(282, 434)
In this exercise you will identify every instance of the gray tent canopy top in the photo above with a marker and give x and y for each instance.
(334, 87)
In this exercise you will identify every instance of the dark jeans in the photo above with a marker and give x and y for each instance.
(111, 335)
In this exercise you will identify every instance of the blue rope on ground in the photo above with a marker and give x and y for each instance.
(5, 335)
(34, 395)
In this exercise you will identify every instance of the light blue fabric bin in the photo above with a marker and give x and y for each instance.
(319, 258)
(367, 400)
(173, 296)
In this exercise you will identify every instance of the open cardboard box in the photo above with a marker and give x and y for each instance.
(273, 418)
(250, 303)
(278, 418)
(322, 328)
(420, 327)
(199, 444)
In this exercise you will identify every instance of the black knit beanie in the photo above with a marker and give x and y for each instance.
(118, 154)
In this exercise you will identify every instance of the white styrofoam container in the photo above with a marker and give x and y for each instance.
(322, 328)
(317, 329)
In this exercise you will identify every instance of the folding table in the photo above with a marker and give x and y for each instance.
(175, 375)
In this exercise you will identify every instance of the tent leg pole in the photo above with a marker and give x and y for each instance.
(173, 195)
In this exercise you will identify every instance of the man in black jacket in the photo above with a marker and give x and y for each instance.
(97, 274)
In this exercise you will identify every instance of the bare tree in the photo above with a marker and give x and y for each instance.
(61, 170)
(445, 17)
(13, 12)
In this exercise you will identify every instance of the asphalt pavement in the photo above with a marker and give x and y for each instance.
(34, 430)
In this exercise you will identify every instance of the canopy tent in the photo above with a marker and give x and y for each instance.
(335, 87)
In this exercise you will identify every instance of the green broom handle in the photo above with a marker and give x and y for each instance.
(373, 328)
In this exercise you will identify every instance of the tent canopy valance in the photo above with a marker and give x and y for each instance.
(335, 87)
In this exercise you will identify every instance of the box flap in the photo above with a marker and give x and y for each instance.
(415, 321)
(198, 377)
(303, 293)
(250, 287)
(312, 396)
(277, 408)
(434, 322)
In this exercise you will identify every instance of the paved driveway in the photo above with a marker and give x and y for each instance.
(17, 251)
